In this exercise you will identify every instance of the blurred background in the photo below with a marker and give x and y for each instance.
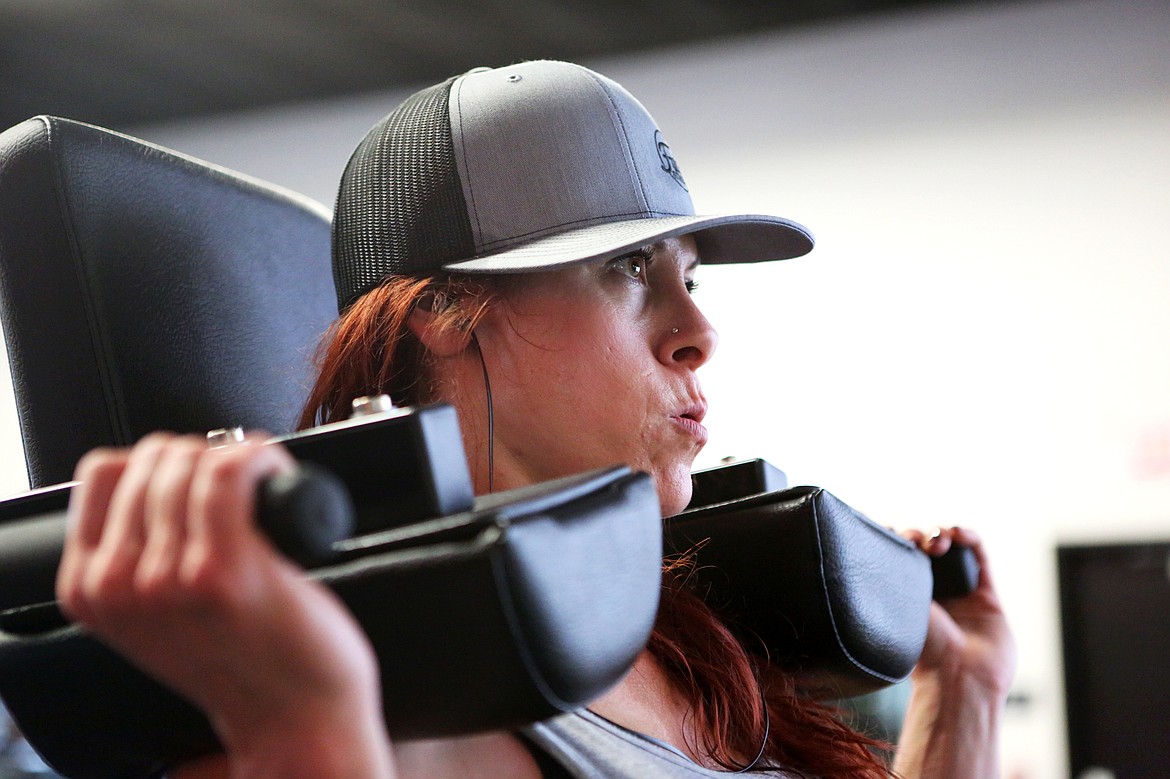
(981, 337)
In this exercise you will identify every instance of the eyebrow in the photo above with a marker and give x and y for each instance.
(688, 269)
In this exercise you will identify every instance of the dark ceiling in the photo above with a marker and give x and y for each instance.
(122, 63)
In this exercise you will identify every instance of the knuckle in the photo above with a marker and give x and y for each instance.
(155, 439)
(279, 454)
(185, 447)
(106, 589)
(180, 458)
(98, 464)
(250, 457)
(151, 445)
(155, 588)
(118, 592)
(207, 583)
(71, 597)
(228, 477)
(227, 466)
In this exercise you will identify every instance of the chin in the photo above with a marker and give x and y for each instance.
(674, 492)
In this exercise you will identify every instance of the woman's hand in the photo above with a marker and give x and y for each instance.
(163, 561)
(967, 635)
(962, 678)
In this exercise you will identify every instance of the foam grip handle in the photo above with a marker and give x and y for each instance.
(956, 573)
(304, 512)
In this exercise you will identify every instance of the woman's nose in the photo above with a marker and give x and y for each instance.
(690, 339)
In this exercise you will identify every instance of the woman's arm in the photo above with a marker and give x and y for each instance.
(163, 562)
(961, 682)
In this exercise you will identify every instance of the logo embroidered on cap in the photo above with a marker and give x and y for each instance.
(667, 160)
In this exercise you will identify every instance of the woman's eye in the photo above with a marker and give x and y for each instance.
(692, 286)
(630, 265)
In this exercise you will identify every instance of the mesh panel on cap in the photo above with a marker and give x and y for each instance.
(400, 208)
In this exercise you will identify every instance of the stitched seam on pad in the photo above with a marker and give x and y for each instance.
(829, 603)
(98, 341)
(497, 555)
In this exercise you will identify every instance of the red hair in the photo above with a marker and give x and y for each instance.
(736, 698)
(370, 350)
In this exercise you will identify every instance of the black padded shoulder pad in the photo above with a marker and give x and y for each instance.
(835, 598)
(535, 603)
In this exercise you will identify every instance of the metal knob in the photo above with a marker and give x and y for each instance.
(371, 404)
(224, 436)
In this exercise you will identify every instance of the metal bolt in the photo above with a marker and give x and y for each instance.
(224, 436)
(371, 404)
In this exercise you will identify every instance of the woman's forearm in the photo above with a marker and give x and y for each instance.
(328, 736)
(357, 750)
(960, 685)
(326, 754)
(950, 730)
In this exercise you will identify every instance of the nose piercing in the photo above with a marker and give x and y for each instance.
(674, 330)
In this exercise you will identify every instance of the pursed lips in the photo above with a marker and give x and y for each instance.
(691, 419)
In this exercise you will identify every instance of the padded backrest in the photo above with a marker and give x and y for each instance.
(141, 289)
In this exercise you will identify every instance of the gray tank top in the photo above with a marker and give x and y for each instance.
(592, 747)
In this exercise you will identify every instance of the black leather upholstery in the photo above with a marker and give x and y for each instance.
(840, 601)
(141, 289)
(534, 603)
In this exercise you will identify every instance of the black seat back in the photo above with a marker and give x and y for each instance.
(141, 289)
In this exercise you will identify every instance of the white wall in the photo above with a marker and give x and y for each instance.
(980, 337)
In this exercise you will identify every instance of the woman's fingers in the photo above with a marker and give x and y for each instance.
(222, 502)
(98, 473)
(108, 531)
(109, 579)
(139, 515)
(166, 515)
(164, 562)
(938, 541)
(972, 540)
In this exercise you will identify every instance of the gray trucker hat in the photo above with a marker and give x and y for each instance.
(524, 168)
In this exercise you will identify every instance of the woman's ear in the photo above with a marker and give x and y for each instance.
(438, 331)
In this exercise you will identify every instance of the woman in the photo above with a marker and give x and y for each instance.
(519, 243)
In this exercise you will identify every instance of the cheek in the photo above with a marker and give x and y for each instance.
(600, 392)
(590, 395)
(577, 385)
(619, 380)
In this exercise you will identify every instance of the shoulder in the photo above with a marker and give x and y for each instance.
(597, 747)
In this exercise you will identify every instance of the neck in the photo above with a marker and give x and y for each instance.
(647, 701)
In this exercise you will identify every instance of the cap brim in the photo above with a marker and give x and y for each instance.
(721, 239)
